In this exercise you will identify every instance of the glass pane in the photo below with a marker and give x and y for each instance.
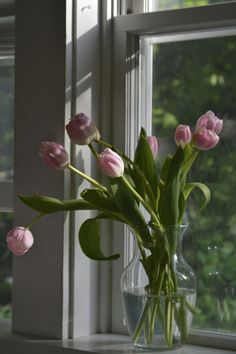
(189, 78)
(177, 4)
(5, 267)
(6, 117)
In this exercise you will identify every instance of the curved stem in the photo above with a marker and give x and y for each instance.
(91, 180)
(35, 220)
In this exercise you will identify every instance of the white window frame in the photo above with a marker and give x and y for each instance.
(126, 108)
(60, 313)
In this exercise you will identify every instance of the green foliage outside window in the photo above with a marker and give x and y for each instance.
(191, 77)
(176, 4)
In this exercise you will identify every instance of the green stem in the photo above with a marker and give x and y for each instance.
(35, 220)
(91, 180)
(141, 322)
(153, 318)
(93, 150)
(104, 143)
(142, 201)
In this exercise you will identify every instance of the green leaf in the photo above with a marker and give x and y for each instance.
(41, 203)
(142, 185)
(97, 198)
(165, 168)
(170, 190)
(129, 209)
(189, 158)
(145, 161)
(77, 204)
(89, 238)
(47, 205)
(188, 188)
(181, 207)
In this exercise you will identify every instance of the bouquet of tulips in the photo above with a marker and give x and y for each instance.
(134, 187)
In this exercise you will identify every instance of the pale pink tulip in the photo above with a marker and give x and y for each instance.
(210, 121)
(82, 130)
(183, 135)
(110, 163)
(54, 155)
(205, 139)
(153, 143)
(19, 240)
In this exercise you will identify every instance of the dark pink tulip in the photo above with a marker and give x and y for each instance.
(82, 130)
(183, 135)
(153, 143)
(205, 139)
(210, 121)
(19, 240)
(110, 163)
(54, 155)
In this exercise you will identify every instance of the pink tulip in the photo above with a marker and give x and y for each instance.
(183, 135)
(210, 121)
(153, 143)
(82, 130)
(54, 155)
(110, 163)
(205, 139)
(19, 240)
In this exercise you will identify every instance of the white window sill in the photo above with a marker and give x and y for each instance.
(94, 344)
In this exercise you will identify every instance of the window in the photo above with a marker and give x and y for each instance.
(140, 6)
(170, 60)
(203, 75)
(6, 158)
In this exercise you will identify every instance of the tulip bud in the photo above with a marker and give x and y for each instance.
(153, 143)
(110, 163)
(19, 240)
(210, 121)
(205, 139)
(82, 130)
(54, 155)
(183, 135)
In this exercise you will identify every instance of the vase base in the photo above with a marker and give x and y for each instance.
(153, 349)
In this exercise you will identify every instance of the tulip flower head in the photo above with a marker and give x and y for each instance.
(110, 163)
(54, 155)
(19, 240)
(210, 121)
(183, 135)
(82, 130)
(153, 143)
(205, 139)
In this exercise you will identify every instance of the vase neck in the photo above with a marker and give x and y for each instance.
(174, 235)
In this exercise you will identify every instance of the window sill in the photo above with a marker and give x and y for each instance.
(94, 344)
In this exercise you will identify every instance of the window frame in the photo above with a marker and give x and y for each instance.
(7, 58)
(127, 31)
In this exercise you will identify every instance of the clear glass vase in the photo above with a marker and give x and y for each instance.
(159, 292)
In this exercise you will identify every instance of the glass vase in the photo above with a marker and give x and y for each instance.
(159, 292)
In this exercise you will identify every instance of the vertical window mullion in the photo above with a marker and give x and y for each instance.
(40, 115)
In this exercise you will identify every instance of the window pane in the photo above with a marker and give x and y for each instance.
(189, 78)
(6, 117)
(5, 267)
(177, 4)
